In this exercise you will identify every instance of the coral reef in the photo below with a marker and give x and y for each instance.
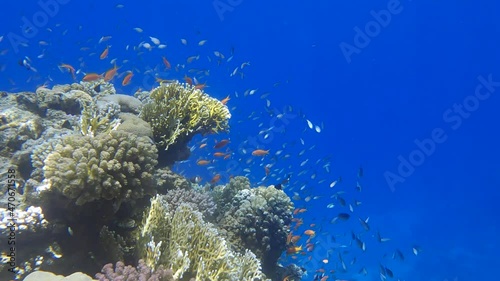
(224, 194)
(118, 165)
(126, 103)
(196, 200)
(49, 276)
(167, 180)
(130, 273)
(30, 220)
(83, 155)
(67, 98)
(98, 88)
(192, 247)
(94, 121)
(256, 219)
(133, 124)
(178, 111)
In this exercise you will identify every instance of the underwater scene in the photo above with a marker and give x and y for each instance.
(249, 140)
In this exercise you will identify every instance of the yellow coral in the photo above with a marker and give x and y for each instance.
(194, 248)
(178, 111)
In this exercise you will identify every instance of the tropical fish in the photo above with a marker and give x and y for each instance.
(108, 76)
(166, 63)
(104, 53)
(155, 40)
(202, 162)
(225, 100)
(91, 77)
(260, 152)
(215, 179)
(343, 216)
(127, 78)
(69, 68)
(188, 80)
(310, 233)
(364, 223)
(221, 144)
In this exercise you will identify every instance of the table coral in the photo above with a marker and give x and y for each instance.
(178, 111)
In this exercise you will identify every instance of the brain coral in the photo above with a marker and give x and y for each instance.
(177, 112)
(258, 219)
(117, 165)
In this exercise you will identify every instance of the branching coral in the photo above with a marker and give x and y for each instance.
(177, 112)
(194, 248)
(118, 166)
(130, 273)
(93, 122)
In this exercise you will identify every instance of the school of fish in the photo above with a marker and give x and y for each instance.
(276, 148)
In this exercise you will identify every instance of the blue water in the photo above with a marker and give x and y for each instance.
(396, 88)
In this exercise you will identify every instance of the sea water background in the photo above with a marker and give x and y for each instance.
(373, 104)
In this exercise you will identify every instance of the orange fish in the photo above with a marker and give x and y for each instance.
(200, 86)
(260, 152)
(324, 278)
(104, 53)
(225, 100)
(221, 144)
(299, 210)
(203, 145)
(69, 68)
(215, 179)
(299, 223)
(310, 233)
(295, 239)
(289, 238)
(219, 154)
(126, 79)
(91, 77)
(202, 162)
(188, 80)
(166, 63)
(293, 250)
(227, 156)
(108, 76)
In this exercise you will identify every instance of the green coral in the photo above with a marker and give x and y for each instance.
(92, 122)
(178, 111)
(117, 165)
(181, 240)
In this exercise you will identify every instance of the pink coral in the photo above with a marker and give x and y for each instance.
(130, 273)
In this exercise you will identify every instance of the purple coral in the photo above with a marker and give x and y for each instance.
(130, 273)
